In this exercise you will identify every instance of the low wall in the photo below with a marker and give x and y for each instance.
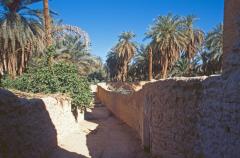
(128, 108)
(60, 112)
(32, 127)
(183, 117)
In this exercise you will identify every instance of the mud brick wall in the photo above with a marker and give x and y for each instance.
(174, 105)
(183, 117)
(127, 107)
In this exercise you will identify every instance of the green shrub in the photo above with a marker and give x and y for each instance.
(61, 78)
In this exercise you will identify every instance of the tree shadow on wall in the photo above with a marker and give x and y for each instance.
(26, 129)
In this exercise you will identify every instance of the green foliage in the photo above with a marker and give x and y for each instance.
(181, 68)
(97, 76)
(51, 51)
(112, 65)
(212, 58)
(138, 69)
(62, 78)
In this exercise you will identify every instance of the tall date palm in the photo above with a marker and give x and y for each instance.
(213, 56)
(195, 37)
(168, 39)
(125, 50)
(21, 34)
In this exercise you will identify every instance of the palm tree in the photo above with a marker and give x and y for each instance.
(214, 43)
(168, 39)
(180, 68)
(195, 37)
(70, 40)
(21, 34)
(125, 50)
(212, 56)
(72, 45)
(112, 66)
(140, 65)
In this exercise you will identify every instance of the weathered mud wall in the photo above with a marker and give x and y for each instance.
(192, 118)
(32, 128)
(173, 116)
(127, 107)
(183, 117)
(219, 122)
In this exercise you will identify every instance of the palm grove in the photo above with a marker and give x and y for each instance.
(42, 55)
(176, 48)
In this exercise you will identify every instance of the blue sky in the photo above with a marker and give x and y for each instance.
(104, 20)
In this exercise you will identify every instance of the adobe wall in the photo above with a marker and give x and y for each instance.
(183, 117)
(195, 117)
(127, 107)
(174, 109)
(219, 122)
(32, 127)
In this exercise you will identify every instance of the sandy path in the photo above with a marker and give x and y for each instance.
(100, 136)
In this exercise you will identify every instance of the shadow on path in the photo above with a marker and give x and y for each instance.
(27, 131)
(112, 138)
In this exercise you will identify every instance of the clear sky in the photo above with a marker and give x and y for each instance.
(104, 20)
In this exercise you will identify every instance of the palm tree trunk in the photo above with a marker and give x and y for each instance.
(164, 67)
(125, 71)
(150, 77)
(47, 22)
(21, 62)
(119, 75)
(12, 65)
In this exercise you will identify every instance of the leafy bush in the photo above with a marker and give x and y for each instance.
(61, 78)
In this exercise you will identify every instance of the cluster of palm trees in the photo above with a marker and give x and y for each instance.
(21, 34)
(26, 33)
(176, 48)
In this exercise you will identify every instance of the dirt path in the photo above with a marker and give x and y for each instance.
(101, 135)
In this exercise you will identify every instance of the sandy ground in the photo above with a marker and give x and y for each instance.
(101, 135)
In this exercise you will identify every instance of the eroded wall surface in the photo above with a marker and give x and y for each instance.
(174, 105)
(219, 124)
(31, 128)
(183, 117)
